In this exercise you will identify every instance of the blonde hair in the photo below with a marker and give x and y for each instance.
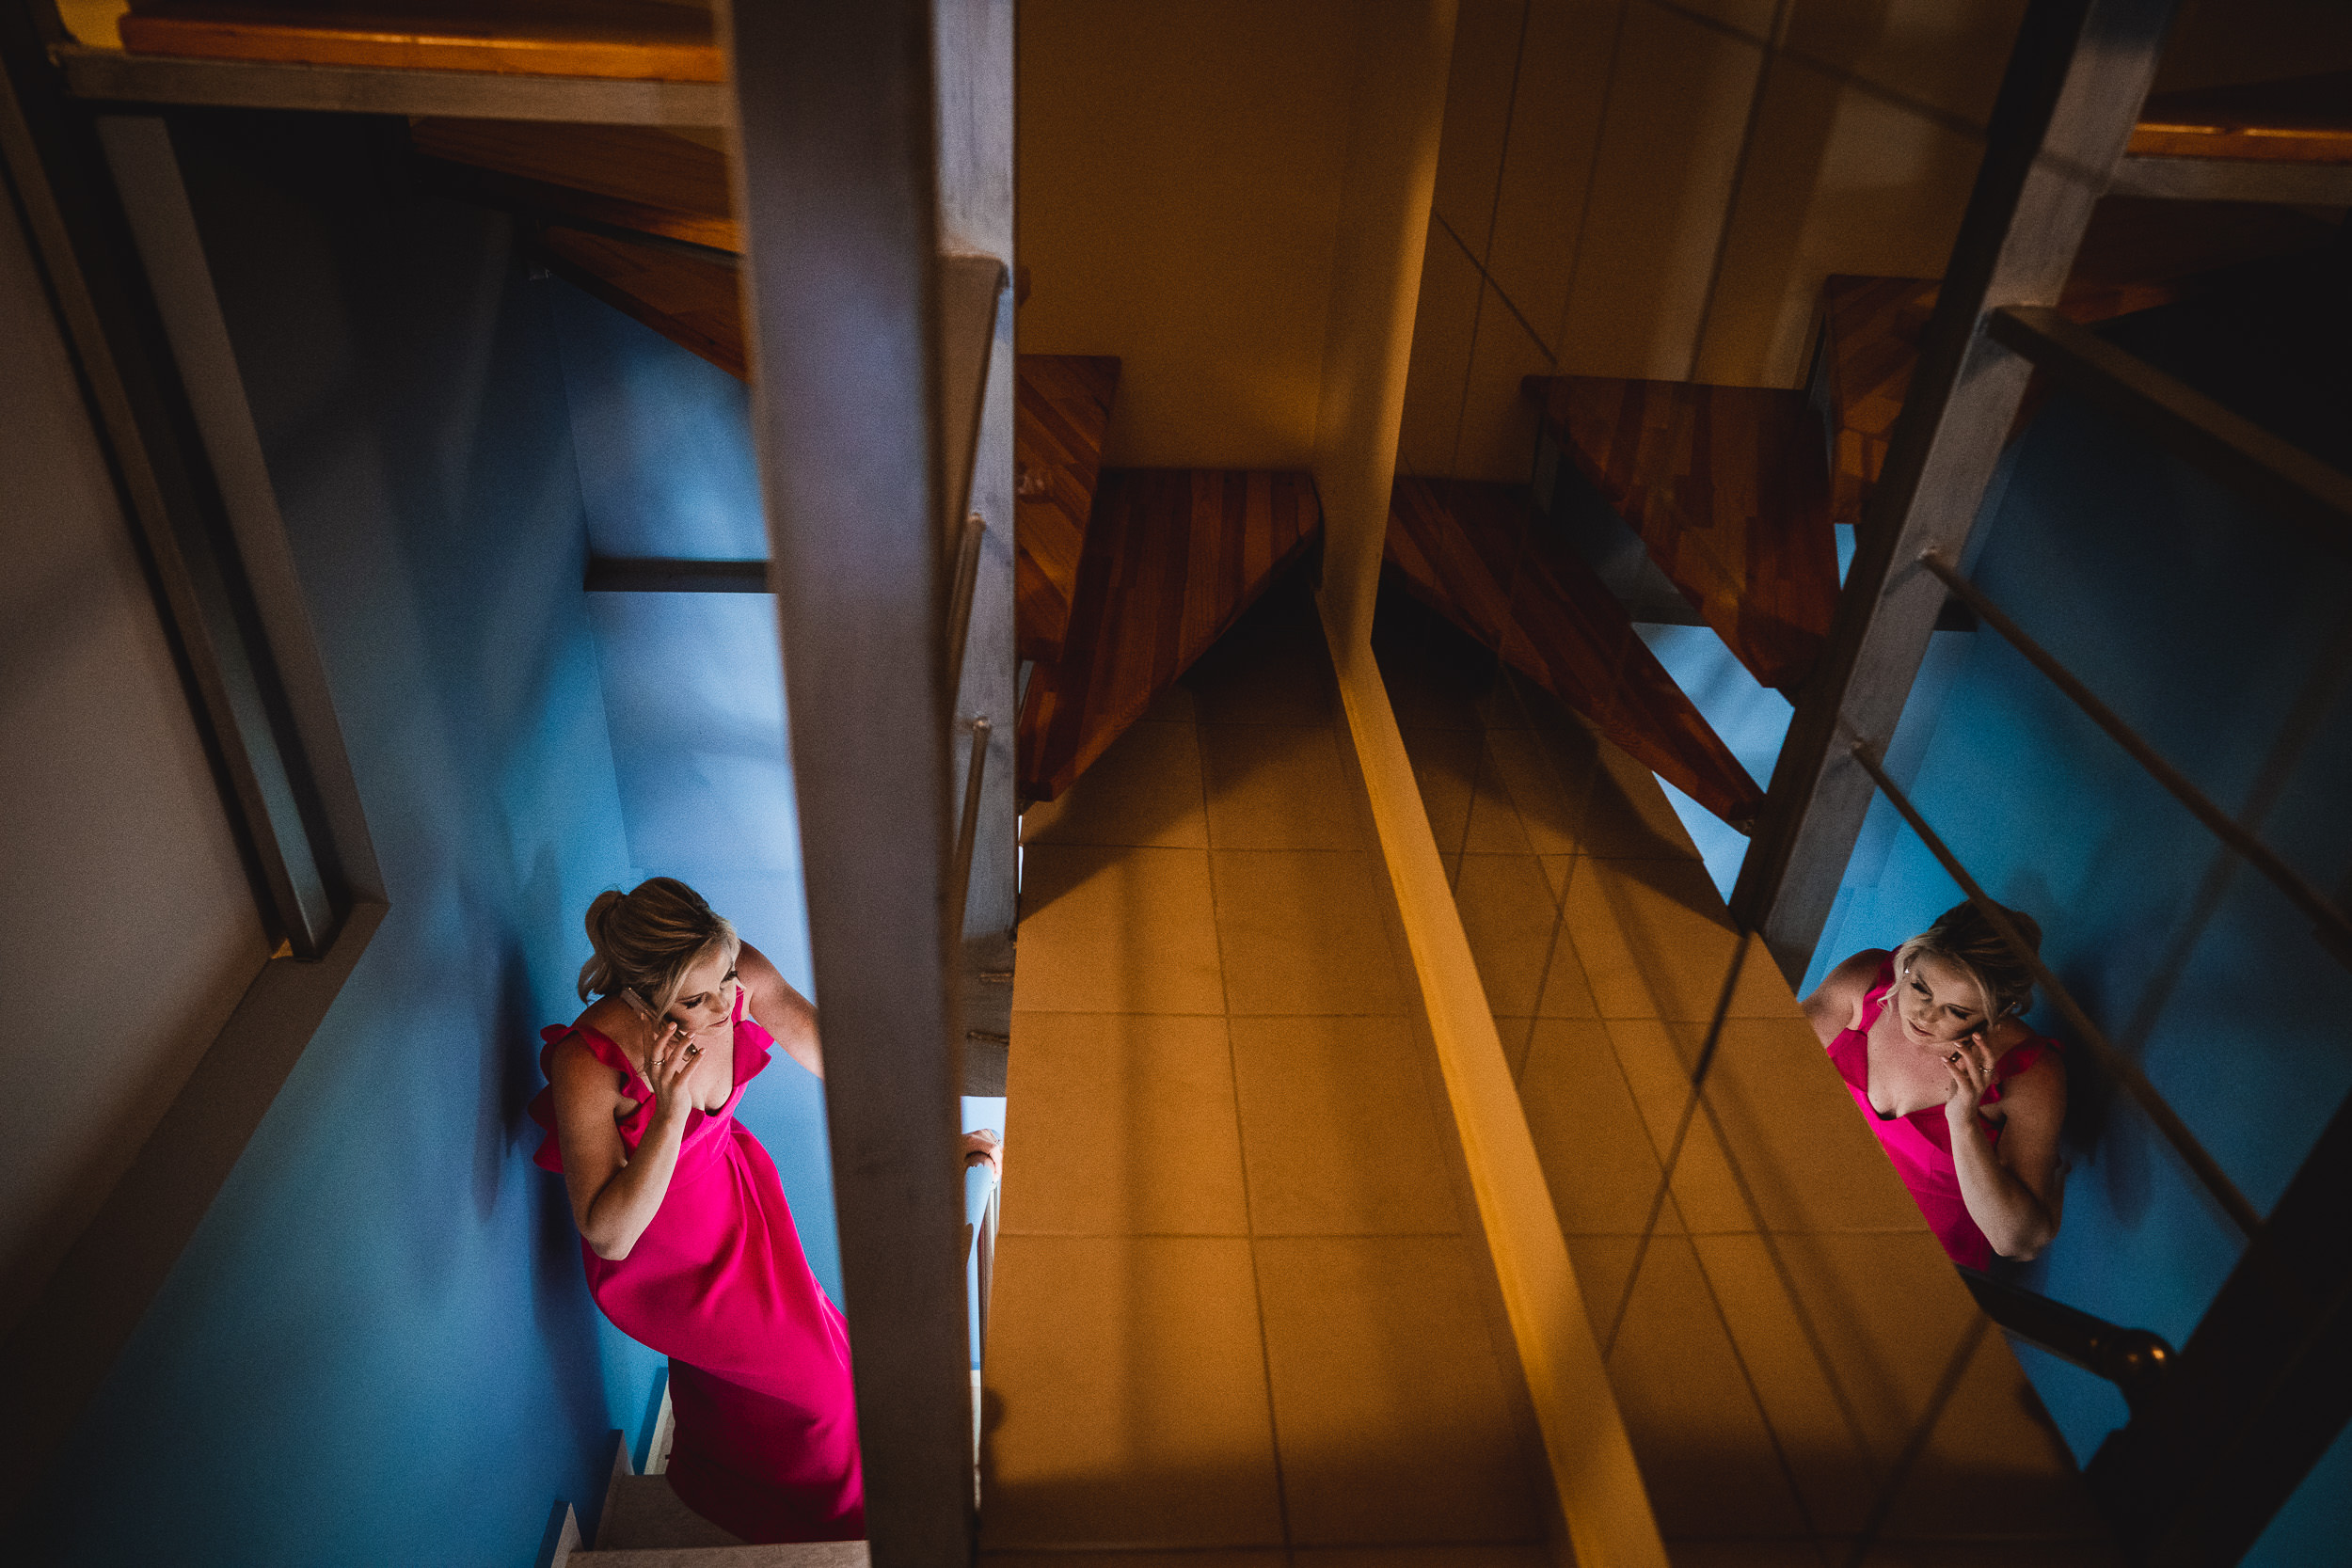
(647, 938)
(1963, 936)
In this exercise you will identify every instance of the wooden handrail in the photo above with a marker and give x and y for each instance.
(967, 831)
(2299, 892)
(963, 585)
(2134, 1359)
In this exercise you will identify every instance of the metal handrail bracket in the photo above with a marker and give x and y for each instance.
(2134, 1359)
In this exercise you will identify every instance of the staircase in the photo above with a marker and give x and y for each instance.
(1754, 1309)
(1480, 555)
(1730, 496)
(1122, 577)
(1171, 558)
(643, 1525)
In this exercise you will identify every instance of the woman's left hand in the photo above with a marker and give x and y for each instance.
(1970, 1063)
(985, 1146)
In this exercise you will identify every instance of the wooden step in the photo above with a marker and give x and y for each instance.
(641, 1511)
(672, 183)
(806, 1554)
(696, 304)
(1172, 559)
(1727, 488)
(632, 40)
(2139, 253)
(1063, 414)
(2304, 119)
(1480, 555)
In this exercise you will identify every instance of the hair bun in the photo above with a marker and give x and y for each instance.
(648, 937)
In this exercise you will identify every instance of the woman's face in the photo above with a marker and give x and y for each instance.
(1939, 1001)
(706, 997)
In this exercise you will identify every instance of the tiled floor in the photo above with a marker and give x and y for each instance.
(1237, 1317)
(1797, 1364)
(1243, 1315)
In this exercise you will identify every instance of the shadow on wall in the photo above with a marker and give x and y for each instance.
(377, 1347)
(2221, 637)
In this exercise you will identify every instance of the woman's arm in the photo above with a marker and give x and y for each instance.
(785, 1012)
(614, 1196)
(1838, 1005)
(2012, 1189)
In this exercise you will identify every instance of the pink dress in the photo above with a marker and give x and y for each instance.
(766, 1443)
(1920, 1144)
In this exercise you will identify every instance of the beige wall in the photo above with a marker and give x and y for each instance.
(1180, 173)
(1646, 188)
(1399, 106)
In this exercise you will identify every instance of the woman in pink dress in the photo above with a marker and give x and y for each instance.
(1966, 1101)
(688, 1245)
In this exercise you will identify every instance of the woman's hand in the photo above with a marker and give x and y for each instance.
(985, 1146)
(668, 1065)
(1970, 1063)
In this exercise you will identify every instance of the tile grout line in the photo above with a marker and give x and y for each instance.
(1592, 177)
(1494, 214)
(1731, 1341)
(1241, 1145)
(1767, 59)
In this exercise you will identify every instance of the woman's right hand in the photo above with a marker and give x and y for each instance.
(668, 1065)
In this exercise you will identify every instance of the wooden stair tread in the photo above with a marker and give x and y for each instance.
(1727, 488)
(2300, 119)
(1063, 414)
(631, 40)
(638, 177)
(1172, 558)
(2138, 253)
(694, 303)
(1477, 554)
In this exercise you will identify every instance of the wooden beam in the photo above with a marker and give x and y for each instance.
(836, 190)
(617, 574)
(2274, 473)
(111, 77)
(2075, 81)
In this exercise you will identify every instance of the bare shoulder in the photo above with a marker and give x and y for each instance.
(1836, 1004)
(2038, 1094)
(773, 998)
(574, 1069)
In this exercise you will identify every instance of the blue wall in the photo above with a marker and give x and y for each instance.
(2218, 634)
(379, 1347)
(694, 685)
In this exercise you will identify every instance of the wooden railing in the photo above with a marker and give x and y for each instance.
(2262, 1389)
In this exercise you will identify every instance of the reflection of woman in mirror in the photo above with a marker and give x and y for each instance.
(688, 1245)
(1965, 1099)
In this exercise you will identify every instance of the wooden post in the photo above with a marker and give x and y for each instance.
(2077, 78)
(838, 195)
